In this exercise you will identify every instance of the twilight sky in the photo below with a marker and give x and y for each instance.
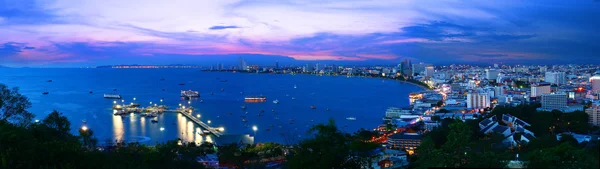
(99, 32)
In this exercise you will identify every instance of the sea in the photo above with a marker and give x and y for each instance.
(221, 98)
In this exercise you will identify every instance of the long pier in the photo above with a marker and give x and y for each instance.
(202, 124)
(185, 111)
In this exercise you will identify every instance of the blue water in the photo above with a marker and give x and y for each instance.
(363, 98)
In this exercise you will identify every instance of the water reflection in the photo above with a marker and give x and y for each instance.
(117, 127)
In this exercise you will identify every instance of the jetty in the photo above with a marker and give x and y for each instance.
(185, 111)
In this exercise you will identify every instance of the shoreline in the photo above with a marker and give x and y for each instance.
(422, 86)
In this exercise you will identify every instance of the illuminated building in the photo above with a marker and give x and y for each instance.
(478, 100)
(554, 101)
(407, 141)
(556, 78)
(540, 89)
(594, 114)
(595, 81)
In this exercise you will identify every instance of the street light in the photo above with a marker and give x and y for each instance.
(254, 128)
(134, 99)
(198, 115)
(162, 129)
(114, 102)
(179, 104)
(189, 102)
(122, 101)
(84, 128)
(150, 103)
(209, 122)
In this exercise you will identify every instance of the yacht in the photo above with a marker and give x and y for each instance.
(351, 118)
(276, 101)
(190, 93)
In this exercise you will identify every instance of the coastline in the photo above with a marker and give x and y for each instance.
(422, 86)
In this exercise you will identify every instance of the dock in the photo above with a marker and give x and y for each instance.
(163, 109)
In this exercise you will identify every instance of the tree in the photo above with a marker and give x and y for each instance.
(562, 156)
(57, 121)
(13, 106)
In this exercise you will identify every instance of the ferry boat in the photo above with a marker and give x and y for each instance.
(351, 118)
(276, 101)
(190, 93)
(255, 98)
(112, 96)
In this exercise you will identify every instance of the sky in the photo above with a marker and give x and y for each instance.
(73, 33)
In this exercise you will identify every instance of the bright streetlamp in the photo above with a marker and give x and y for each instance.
(84, 128)
(209, 122)
(254, 128)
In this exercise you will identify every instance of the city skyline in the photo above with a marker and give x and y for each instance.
(63, 33)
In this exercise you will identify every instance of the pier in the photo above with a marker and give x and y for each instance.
(187, 112)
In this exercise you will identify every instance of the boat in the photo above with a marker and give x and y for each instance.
(244, 107)
(201, 101)
(162, 79)
(211, 93)
(45, 93)
(181, 84)
(190, 93)
(222, 89)
(295, 86)
(49, 81)
(154, 121)
(262, 110)
(293, 98)
(259, 114)
(223, 80)
(327, 109)
(313, 107)
(351, 118)
(255, 98)
(91, 92)
(114, 89)
(112, 96)
(276, 101)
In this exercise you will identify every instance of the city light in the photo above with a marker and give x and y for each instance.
(37, 121)
(122, 101)
(84, 128)
(209, 122)
(254, 128)
(134, 99)
(221, 129)
(179, 104)
(189, 102)
(114, 102)
(198, 115)
(162, 129)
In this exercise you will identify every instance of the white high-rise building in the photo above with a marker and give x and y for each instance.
(243, 64)
(429, 70)
(540, 89)
(553, 101)
(491, 74)
(478, 100)
(595, 81)
(594, 114)
(556, 78)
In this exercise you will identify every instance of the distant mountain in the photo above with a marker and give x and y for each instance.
(3, 66)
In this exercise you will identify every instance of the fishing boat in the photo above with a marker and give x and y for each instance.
(255, 99)
(112, 96)
(44, 93)
(276, 101)
(351, 118)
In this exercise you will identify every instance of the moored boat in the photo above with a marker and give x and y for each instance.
(190, 93)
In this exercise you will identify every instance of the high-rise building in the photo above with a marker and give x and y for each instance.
(556, 78)
(419, 68)
(406, 67)
(478, 100)
(594, 114)
(243, 64)
(539, 89)
(429, 70)
(554, 101)
(595, 81)
(276, 64)
(491, 74)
